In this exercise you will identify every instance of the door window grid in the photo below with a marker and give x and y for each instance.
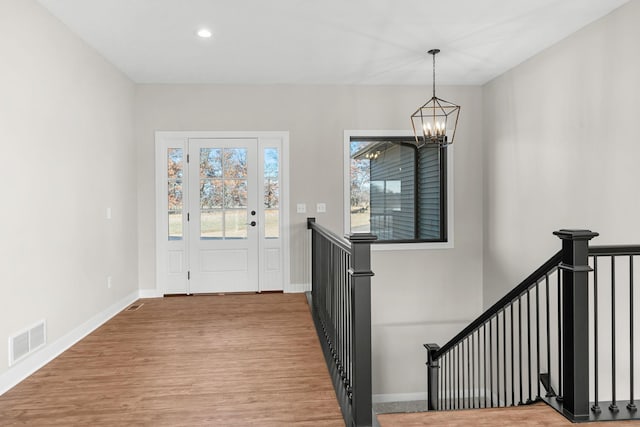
(223, 193)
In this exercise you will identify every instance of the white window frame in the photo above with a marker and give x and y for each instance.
(449, 244)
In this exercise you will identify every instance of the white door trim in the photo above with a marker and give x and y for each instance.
(265, 139)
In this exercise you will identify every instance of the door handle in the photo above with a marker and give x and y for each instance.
(252, 223)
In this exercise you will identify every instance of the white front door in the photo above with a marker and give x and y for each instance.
(220, 212)
(223, 208)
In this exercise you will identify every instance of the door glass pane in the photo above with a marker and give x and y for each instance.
(271, 193)
(175, 168)
(271, 223)
(235, 193)
(210, 163)
(235, 163)
(210, 193)
(235, 223)
(211, 224)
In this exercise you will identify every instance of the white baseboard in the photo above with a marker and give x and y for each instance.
(46, 354)
(298, 288)
(398, 397)
(150, 293)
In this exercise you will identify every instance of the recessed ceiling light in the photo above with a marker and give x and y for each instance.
(204, 33)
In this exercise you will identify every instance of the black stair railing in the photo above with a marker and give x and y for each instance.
(340, 301)
(496, 367)
(613, 311)
(547, 339)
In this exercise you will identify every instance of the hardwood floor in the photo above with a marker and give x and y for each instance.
(539, 414)
(232, 360)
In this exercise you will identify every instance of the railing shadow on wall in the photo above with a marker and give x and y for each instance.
(562, 335)
(340, 301)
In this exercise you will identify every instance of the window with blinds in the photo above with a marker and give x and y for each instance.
(397, 190)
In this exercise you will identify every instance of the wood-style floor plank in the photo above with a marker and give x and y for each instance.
(536, 415)
(228, 360)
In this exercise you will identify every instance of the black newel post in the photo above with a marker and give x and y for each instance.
(575, 320)
(314, 272)
(360, 272)
(433, 366)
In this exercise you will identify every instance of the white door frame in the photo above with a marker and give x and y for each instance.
(269, 139)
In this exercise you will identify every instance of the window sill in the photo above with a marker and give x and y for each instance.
(383, 247)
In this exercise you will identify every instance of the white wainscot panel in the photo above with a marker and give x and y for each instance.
(175, 262)
(213, 261)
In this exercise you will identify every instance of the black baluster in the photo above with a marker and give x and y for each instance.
(351, 320)
(456, 377)
(613, 407)
(513, 382)
(504, 353)
(484, 361)
(450, 382)
(559, 396)
(441, 377)
(473, 370)
(537, 377)
(498, 358)
(546, 284)
(520, 347)
(458, 368)
(631, 405)
(339, 307)
(490, 364)
(470, 391)
(349, 305)
(347, 326)
(596, 406)
(462, 376)
(529, 343)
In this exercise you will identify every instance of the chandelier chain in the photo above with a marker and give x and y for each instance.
(434, 74)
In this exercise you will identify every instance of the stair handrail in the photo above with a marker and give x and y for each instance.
(548, 267)
(604, 250)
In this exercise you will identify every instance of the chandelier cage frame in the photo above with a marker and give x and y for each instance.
(436, 121)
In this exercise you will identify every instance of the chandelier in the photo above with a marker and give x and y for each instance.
(436, 121)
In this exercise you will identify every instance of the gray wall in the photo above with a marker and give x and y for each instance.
(417, 295)
(66, 123)
(562, 144)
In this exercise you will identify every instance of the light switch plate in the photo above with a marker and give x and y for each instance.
(301, 208)
(321, 207)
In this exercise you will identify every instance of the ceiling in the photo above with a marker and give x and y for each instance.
(372, 42)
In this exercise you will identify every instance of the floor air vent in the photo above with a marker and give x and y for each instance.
(134, 307)
(26, 342)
